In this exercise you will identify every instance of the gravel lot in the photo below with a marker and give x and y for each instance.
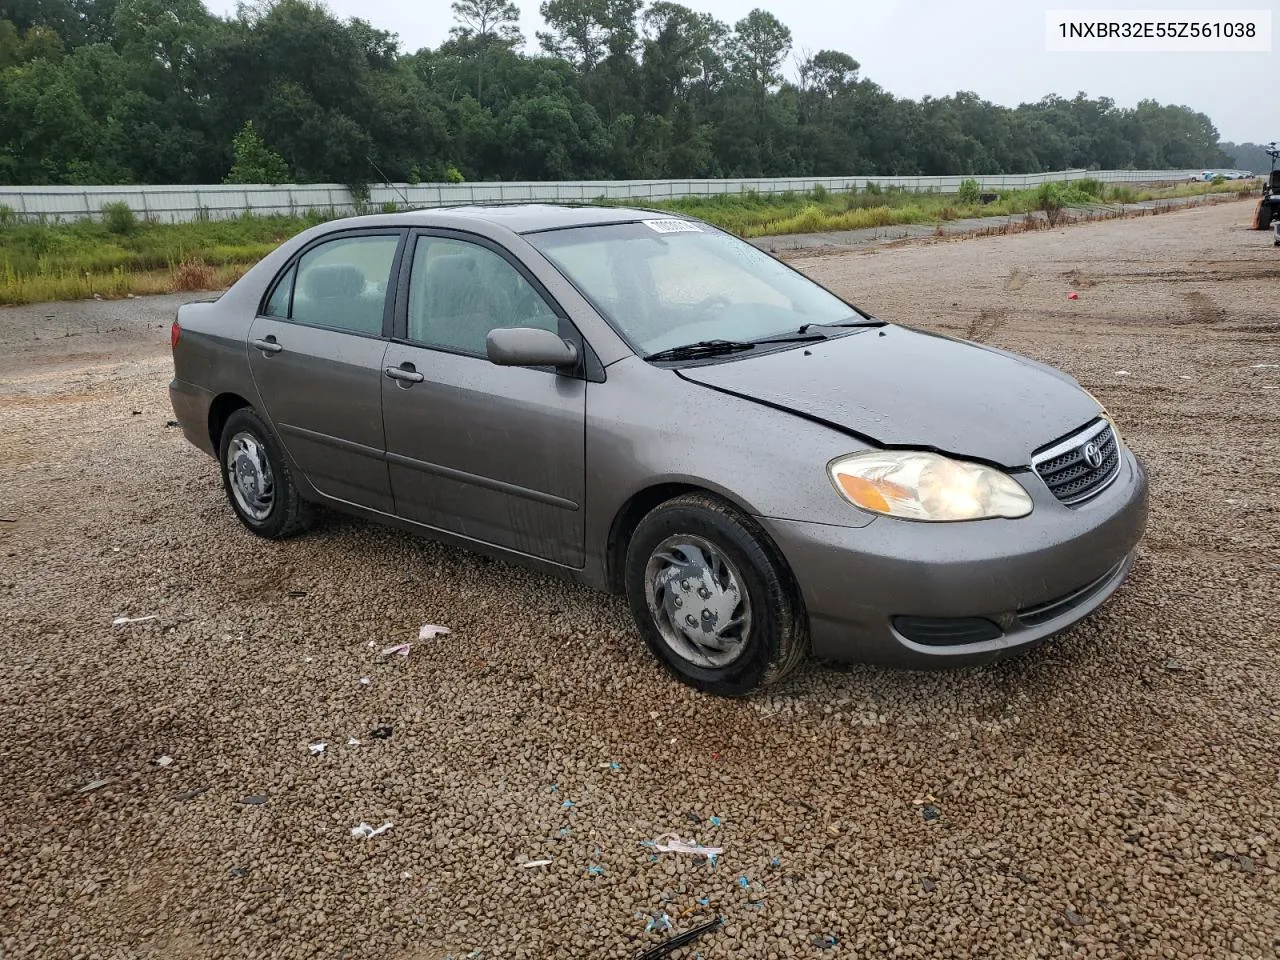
(1113, 794)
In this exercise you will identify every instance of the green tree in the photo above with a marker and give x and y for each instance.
(255, 162)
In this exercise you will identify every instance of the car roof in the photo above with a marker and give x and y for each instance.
(532, 217)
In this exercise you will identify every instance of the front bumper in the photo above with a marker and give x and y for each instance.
(1032, 577)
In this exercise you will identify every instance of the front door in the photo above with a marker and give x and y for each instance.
(493, 454)
(316, 354)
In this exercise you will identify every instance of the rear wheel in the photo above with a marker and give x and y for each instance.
(1264, 216)
(257, 481)
(712, 597)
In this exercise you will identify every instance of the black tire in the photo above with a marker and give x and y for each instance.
(776, 641)
(1264, 217)
(288, 514)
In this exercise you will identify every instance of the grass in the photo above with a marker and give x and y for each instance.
(121, 255)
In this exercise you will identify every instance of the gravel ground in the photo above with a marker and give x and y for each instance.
(1112, 794)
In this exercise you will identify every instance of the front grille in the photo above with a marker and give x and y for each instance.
(1066, 471)
(1044, 612)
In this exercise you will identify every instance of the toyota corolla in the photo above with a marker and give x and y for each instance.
(643, 403)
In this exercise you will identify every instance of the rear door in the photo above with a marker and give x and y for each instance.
(495, 454)
(316, 354)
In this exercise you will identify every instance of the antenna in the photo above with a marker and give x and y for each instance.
(386, 181)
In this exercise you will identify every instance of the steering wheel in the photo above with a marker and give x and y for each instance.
(715, 300)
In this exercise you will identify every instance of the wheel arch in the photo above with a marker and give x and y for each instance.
(220, 410)
(640, 503)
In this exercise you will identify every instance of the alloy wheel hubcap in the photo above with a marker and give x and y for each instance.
(249, 475)
(698, 603)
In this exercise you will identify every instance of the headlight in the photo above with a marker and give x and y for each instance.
(917, 485)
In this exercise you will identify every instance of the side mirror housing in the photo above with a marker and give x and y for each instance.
(529, 347)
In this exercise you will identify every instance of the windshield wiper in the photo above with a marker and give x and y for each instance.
(703, 348)
(804, 336)
(857, 322)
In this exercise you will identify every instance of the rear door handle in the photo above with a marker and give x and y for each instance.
(405, 373)
(268, 345)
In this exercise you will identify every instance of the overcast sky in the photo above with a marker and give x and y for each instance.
(993, 47)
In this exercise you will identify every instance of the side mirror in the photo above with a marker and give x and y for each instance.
(529, 347)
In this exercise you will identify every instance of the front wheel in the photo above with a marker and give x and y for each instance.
(713, 598)
(257, 481)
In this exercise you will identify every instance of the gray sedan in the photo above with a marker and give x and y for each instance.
(650, 406)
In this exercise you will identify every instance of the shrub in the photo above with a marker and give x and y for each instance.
(193, 274)
(454, 175)
(970, 191)
(255, 162)
(873, 188)
(390, 206)
(1090, 186)
(1122, 194)
(819, 193)
(949, 213)
(1049, 198)
(1218, 180)
(119, 218)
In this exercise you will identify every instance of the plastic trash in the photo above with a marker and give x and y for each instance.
(595, 870)
(352, 742)
(429, 630)
(382, 733)
(1073, 295)
(1122, 373)
(96, 785)
(530, 864)
(365, 681)
(121, 621)
(400, 649)
(825, 943)
(163, 761)
(254, 801)
(365, 831)
(671, 843)
(659, 924)
(317, 747)
(714, 821)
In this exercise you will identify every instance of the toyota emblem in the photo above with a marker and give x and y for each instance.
(1092, 455)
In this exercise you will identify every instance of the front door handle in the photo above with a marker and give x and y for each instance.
(268, 345)
(405, 373)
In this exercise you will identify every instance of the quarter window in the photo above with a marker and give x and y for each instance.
(278, 305)
(459, 291)
(343, 284)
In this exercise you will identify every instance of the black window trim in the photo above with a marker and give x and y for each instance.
(389, 299)
(588, 367)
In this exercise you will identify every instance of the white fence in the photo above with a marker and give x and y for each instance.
(182, 203)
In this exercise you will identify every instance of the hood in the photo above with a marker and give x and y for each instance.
(906, 388)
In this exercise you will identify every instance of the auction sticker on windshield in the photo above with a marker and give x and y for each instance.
(672, 226)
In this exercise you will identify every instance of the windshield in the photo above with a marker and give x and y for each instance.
(666, 283)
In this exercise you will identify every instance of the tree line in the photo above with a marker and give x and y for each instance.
(162, 91)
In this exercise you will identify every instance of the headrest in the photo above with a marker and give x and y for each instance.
(335, 280)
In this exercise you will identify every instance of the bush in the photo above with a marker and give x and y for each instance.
(390, 206)
(1049, 198)
(970, 191)
(1122, 194)
(1090, 186)
(119, 218)
(8, 215)
(819, 193)
(454, 175)
(193, 274)
(873, 188)
(1218, 180)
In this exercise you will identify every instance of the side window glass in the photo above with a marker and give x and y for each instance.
(459, 291)
(278, 305)
(343, 283)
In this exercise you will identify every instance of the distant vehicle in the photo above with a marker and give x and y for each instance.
(1269, 205)
(643, 403)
